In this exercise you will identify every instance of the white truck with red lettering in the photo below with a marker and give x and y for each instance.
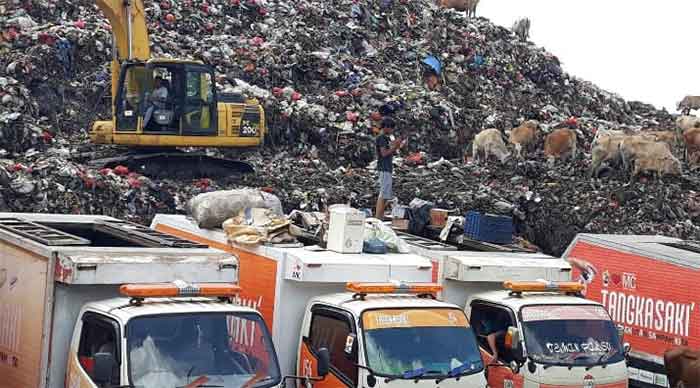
(648, 285)
(89, 301)
(378, 332)
(547, 333)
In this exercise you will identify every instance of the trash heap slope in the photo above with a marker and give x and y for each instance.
(325, 70)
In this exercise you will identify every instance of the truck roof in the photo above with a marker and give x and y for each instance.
(104, 250)
(667, 249)
(121, 308)
(380, 301)
(504, 297)
(500, 267)
(312, 264)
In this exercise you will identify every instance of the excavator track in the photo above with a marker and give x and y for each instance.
(177, 165)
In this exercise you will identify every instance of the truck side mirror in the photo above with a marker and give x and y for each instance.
(620, 332)
(324, 362)
(626, 348)
(104, 364)
(514, 345)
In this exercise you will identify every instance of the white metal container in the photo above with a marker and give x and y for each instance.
(346, 229)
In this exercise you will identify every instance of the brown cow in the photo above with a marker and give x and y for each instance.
(691, 138)
(560, 143)
(682, 367)
(523, 136)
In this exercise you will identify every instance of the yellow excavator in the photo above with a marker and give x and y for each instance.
(162, 104)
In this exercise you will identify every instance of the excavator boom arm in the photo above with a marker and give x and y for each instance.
(128, 21)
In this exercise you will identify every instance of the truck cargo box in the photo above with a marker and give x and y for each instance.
(649, 285)
(51, 265)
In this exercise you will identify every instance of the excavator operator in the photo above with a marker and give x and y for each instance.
(158, 99)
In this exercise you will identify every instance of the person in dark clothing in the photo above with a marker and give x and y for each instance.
(495, 331)
(386, 148)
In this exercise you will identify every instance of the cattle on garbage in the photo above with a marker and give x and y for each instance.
(639, 147)
(664, 165)
(521, 28)
(523, 136)
(682, 367)
(560, 143)
(461, 5)
(687, 122)
(689, 103)
(606, 148)
(489, 142)
(691, 137)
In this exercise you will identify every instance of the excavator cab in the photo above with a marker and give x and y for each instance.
(167, 98)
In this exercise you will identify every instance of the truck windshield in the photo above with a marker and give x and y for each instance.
(420, 343)
(571, 335)
(202, 349)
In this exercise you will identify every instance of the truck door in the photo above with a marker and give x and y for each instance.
(330, 329)
(98, 334)
(490, 323)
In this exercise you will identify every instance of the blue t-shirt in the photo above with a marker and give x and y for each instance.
(384, 163)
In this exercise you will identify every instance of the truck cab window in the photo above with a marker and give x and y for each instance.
(330, 330)
(98, 335)
(491, 325)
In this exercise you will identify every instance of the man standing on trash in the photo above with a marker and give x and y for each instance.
(386, 148)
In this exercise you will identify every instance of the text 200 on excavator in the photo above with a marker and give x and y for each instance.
(163, 103)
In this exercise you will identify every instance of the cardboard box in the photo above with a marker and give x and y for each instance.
(438, 217)
(399, 223)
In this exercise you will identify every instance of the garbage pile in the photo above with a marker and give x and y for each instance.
(328, 72)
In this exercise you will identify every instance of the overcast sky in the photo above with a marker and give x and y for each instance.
(642, 50)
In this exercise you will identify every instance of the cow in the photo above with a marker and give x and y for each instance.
(606, 149)
(489, 142)
(461, 5)
(633, 147)
(606, 132)
(682, 366)
(685, 123)
(663, 165)
(523, 136)
(691, 137)
(521, 28)
(559, 143)
(689, 103)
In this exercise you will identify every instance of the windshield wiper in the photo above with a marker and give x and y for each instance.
(602, 360)
(567, 358)
(412, 374)
(458, 371)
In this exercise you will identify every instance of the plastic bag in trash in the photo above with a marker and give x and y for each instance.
(210, 210)
(376, 229)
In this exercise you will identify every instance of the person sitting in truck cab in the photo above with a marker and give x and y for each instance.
(495, 330)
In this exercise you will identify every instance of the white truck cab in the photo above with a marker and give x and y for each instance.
(378, 337)
(551, 338)
(545, 318)
(152, 341)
